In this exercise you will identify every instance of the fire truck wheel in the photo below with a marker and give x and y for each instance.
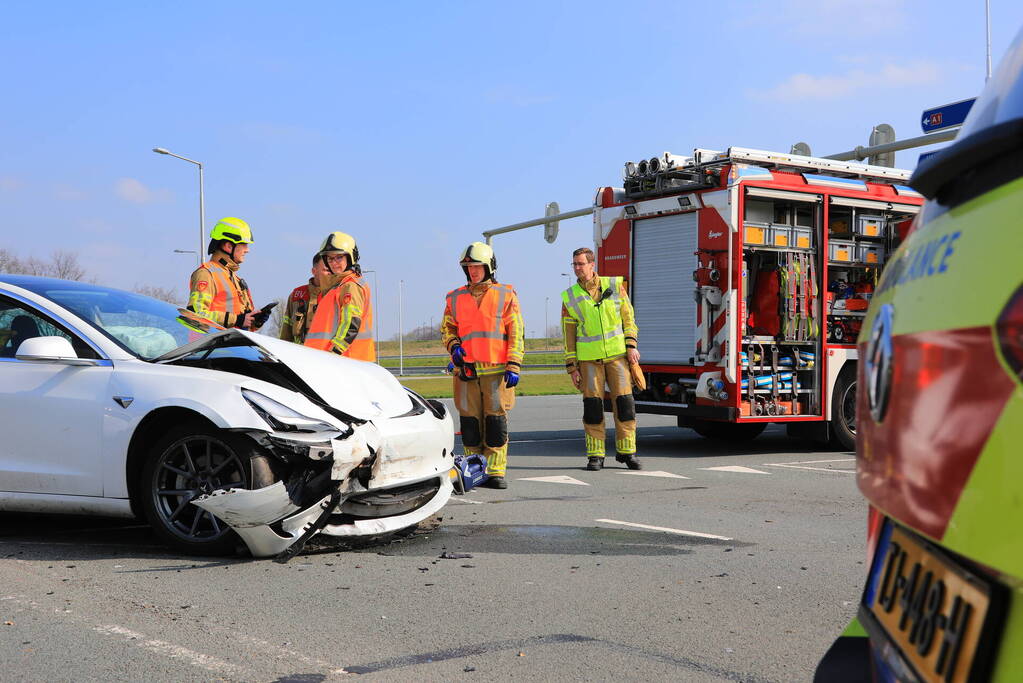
(728, 431)
(843, 410)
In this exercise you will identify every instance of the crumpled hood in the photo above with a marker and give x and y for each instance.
(360, 389)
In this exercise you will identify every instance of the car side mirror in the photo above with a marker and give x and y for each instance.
(51, 350)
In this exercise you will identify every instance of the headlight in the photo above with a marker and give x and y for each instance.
(282, 418)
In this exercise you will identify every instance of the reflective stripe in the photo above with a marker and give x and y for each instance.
(602, 337)
(599, 328)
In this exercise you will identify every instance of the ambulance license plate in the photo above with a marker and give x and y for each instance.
(938, 615)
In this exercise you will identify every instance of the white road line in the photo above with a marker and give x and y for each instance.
(544, 440)
(655, 473)
(734, 468)
(816, 462)
(680, 532)
(555, 480)
(465, 501)
(160, 647)
(816, 469)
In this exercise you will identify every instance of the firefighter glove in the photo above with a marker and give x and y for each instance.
(511, 378)
(457, 355)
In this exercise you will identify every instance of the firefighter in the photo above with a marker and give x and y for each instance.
(482, 330)
(301, 306)
(343, 321)
(215, 290)
(600, 343)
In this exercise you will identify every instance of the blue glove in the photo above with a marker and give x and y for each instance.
(457, 355)
(510, 378)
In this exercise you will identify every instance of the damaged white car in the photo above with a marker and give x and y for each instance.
(117, 404)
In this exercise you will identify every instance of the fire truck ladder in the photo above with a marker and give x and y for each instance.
(777, 160)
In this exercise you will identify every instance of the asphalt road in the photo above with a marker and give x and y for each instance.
(681, 572)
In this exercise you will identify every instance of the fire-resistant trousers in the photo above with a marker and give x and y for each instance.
(483, 406)
(614, 372)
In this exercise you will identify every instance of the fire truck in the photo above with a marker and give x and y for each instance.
(750, 272)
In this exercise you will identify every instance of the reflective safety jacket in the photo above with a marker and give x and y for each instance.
(217, 293)
(299, 311)
(485, 319)
(598, 320)
(343, 321)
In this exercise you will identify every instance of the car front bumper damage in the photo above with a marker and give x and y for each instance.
(369, 481)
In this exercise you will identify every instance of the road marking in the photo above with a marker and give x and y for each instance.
(734, 468)
(464, 501)
(161, 647)
(543, 440)
(801, 465)
(555, 480)
(655, 473)
(665, 529)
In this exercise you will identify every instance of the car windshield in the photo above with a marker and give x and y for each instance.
(144, 326)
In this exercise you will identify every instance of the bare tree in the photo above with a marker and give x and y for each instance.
(9, 263)
(62, 264)
(65, 265)
(168, 294)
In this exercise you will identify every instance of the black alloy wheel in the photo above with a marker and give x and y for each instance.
(190, 461)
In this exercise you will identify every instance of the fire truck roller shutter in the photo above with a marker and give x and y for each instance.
(662, 286)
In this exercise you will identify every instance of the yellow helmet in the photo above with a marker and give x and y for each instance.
(479, 253)
(233, 230)
(340, 243)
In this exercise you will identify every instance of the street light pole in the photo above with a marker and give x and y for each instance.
(202, 198)
(401, 346)
(376, 316)
(546, 323)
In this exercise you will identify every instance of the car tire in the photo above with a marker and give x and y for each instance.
(843, 410)
(729, 431)
(191, 459)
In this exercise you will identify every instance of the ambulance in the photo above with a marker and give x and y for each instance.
(750, 272)
(941, 419)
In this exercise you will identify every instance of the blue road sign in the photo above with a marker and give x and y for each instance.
(946, 116)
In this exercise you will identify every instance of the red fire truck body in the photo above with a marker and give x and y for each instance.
(750, 272)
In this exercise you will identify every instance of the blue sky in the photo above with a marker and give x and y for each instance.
(415, 126)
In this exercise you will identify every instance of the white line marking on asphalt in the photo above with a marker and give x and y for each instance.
(543, 440)
(734, 468)
(161, 647)
(816, 462)
(655, 473)
(555, 480)
(816, 469)
(681, 532)
(465, 501)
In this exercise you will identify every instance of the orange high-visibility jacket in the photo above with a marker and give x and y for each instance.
(217, 293)
(482, 329)
(343, 322)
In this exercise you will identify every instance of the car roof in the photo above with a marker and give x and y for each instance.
(39, 285)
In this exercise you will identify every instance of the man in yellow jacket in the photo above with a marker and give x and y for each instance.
(600, 342)
(482, 330)
(343, 322)
(215, 290)
(301, 305)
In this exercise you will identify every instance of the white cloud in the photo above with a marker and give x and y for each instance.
(67, 193)
(132, 190)
(852, 20)
(9, 183)
(804, 86)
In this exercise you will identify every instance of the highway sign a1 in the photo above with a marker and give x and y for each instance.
(946, 116)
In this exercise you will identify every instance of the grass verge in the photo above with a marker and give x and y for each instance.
(529, 385)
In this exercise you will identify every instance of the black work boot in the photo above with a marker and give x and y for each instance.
(593, 463)
(496, 483)
(630, 460)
